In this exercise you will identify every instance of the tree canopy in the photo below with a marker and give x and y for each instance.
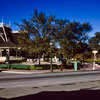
(94, 41)
(39, 30)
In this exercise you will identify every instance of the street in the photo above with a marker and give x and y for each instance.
(20, 85)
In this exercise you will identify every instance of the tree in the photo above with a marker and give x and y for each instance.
(36, 33)
(94, 42)
(40, 30)
(72, 36)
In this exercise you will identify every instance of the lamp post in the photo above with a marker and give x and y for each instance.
(51, 67)
(94, 52)
(7, 59)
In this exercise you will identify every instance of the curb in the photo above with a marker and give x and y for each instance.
(23, 72)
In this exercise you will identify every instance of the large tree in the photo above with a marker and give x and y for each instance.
(72, 36)
(36, 33)
(94, 41)
(40, 30)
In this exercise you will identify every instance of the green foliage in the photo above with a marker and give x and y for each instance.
(87, 60)
(77, 60)
(19, 66)
(31, 67)
(40, 30)
(4, 66)
(36, 34)
(94, 41)
(72, 38)
(91, 60)
(45, 67)
(38, 68)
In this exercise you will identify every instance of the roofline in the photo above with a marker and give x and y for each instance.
(15, 32)
(2, 24)
(7, 47)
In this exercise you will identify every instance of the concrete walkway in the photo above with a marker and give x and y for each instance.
(36, 71)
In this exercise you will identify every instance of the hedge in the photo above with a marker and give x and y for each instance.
(87, 60)
(91, 60)
(45, 67)
(19, 66)
(5, 66)
(28, 67)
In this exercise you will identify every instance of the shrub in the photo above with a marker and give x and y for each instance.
(4, 66)
(32, 67)
(19, 66)
(91, 60)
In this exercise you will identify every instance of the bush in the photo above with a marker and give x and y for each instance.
(19, 66)
(41, 67)
(31, 67)
(27, 67)
(91, 60)
(45, 67)
(78, 60)
(4, 66)
(69, 66)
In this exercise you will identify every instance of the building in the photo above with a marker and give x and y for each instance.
(8, 43)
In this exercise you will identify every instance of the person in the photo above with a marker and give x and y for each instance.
(60, 57)
(63, 61)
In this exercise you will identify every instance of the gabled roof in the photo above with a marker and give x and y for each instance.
(15, 36)
(8, 39)
(8, 44)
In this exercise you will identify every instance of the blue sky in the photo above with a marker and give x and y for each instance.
(74, 10)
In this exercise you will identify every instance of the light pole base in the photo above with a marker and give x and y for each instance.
(93, 65)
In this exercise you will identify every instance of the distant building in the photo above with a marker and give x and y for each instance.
(8, 43)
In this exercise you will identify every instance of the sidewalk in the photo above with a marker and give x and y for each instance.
(36, 71)
(46, 71)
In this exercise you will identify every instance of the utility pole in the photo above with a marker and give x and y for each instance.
(51, 67)
(94, 52)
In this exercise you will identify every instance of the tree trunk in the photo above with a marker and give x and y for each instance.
(43, 56)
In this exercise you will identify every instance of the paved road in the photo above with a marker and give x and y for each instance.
(19, 85)
(15, 80)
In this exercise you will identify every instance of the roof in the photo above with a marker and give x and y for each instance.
(15, 32)
(2, 24)
(8, 39)
(8, 44)
(15, 37)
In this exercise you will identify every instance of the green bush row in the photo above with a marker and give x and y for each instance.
(87, 60)
(28, 67)
(91, 60)
(14, 66)
(45, 67)
(4, 66)
(19, 66)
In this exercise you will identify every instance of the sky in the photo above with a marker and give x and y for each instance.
(74, 10)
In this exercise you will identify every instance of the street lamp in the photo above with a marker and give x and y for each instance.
(19, 51)
(7, 59)
(94, 52)
(51, 67)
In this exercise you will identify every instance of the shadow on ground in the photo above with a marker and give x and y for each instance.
(62, 95)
